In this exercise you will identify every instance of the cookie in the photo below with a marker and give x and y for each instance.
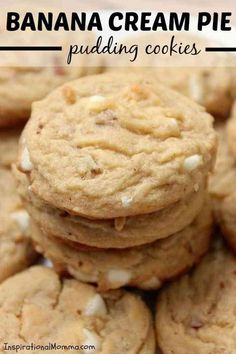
(208, 78)
(16, 251)
(116, 145)
(222, 188)
(197, 313)
(231, 130)
(118, 233)
(146, 267)
(21, 85)
(9, 146)
(74, 313)
(208, 86)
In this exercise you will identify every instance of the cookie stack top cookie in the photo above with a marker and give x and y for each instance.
(116, 145)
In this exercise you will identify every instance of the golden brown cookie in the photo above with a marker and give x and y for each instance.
(222, 188)
(22, 84)
(16, 252)
(115, 145)
(40, 308)
(146, 267)
(197, 313)
(118, 233)
(208, 78)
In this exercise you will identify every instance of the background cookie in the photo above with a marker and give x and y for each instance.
(222, 188)
(75, 314)
(144, 267)
(16, 252)
(24, 79)
(197, 313)
(207, 79)
(231, 130)
(9, 146)
(128, 166)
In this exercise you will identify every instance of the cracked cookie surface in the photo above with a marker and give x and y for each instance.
(115, 145)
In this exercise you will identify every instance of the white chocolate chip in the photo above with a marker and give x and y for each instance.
(195, 89)
(96, 306)
(92, 340)
(47, 263)
(22, 219)
(25, 163)
(196, 187)
(173, 122)
(151, 283)
(97, 102)
(192, 162)
(119, 277)
(126, 201)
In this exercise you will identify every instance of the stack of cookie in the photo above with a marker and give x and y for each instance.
(113, 171)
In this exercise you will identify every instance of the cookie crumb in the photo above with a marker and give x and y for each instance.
(25, 163)
(192, 162)
(120, 277)
(96, 306)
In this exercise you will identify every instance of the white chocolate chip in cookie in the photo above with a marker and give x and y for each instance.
(25, 163)
(173, 122)
(126, 201)
(195, 89)
(192, 162)
(92, 340)
(119, 277)
(96, 306)
(97, 103)
(22, 219)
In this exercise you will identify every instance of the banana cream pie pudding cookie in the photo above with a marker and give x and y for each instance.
(116, 145)
(146, 267)
(222, 188)
(197, 314)
(40, 308)
(16, 251)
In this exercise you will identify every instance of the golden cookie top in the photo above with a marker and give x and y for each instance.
(74, 314)
(116, 144)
